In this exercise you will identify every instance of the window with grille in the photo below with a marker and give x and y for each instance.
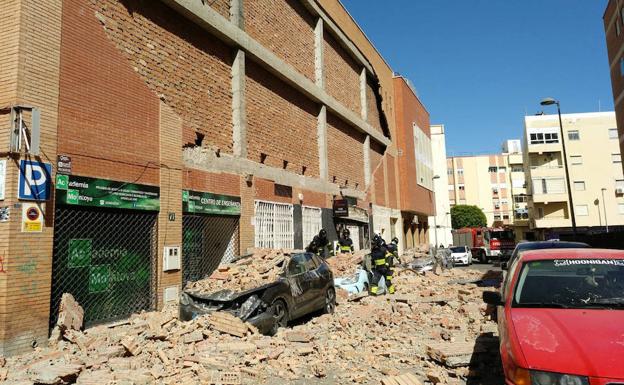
(273, 225)
(579, 185)
(312, 224)
(574, 135)
(613, 133)
(549, 186)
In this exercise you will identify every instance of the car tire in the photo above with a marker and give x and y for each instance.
(330, 301)
(281, 313)
(482, 257)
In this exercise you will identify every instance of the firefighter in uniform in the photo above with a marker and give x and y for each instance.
(378, 258)
(320, 244)
(345, 244)
(392, 251)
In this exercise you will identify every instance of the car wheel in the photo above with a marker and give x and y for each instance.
(482, 257)
(281, 313)
(330, 301)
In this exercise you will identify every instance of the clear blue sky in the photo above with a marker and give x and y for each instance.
(478, 65)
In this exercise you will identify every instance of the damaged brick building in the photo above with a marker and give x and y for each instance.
(145, 141)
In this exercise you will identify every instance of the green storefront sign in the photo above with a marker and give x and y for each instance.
(92, 192)
(79, 253)
(195, 202)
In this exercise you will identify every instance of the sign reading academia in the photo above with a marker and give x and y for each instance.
(92, 192)
(195, 202)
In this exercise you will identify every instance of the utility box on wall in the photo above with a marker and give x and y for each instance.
(171, 258)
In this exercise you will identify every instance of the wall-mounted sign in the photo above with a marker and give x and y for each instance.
(5, 213)
(92, 192)
(34, 180)
(32, 218)
(63, 164)
(3, 164)
(79, 252)
(207, 203)
(341, 208)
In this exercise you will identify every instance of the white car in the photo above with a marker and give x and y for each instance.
(461, 255)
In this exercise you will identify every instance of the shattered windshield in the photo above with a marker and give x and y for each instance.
(571, 283)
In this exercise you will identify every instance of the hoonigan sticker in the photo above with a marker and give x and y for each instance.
(575, 262)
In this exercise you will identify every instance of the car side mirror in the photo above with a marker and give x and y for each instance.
(492, 298)
(504, 266)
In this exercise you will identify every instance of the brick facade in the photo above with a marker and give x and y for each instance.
(613, 18)
(150, 81)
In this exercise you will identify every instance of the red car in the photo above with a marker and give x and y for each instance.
(561, 318)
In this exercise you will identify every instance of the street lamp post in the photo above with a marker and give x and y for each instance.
(548, 102)
(604, 207)
(435, 211)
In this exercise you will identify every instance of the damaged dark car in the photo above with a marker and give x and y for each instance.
(305, 286)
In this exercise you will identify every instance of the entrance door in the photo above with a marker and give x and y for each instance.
(207, 241)
(355, 236)
(105, 259)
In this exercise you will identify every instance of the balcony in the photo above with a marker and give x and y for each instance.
(543, 148)
(547, 171)
(515, 159)
(550, 197)
(551, 221)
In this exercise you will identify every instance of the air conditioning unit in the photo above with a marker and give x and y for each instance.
(619, 190)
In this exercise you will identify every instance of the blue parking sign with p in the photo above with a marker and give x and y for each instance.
(34, 180)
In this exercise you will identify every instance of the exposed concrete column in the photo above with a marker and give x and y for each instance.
(363, 102)
(318, 54)
(367, 165)
(239, 110)
(236, 13)
(321, 136)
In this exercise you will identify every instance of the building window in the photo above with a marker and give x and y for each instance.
(492, 169)
(462, 201)
(451, 187)
(521, 198)
(495, 190)
(619, 184)
(548, 186)
(621, 208)
(502, 169)
(576, 159)
(497, 217)
(504, 202)
(581, 210)
(616, 158)
(449, 172)
(613, 133)
(460, 171)
(544, 137)
(517, 169)
(461, 187)
(452, 202)
(496, 205)
(574, 135)
(274, 228)
(506, 216)
(579, 185)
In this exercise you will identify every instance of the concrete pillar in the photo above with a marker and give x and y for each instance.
(363, 102)
(367, 165)
(318, 54)
(239, 110)
(321, 136)
(237, 16)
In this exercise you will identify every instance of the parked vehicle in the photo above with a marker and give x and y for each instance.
(486, 243)
(560, 317)
(359, 282)
(542, 245)
(461, 255)
(305, 286)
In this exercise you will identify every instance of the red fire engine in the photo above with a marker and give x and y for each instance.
(486, 242)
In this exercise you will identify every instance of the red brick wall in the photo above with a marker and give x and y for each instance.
(380, 190)
(345, 153)
(614, 44)
(198, 180)
(221, 6)
(315, 199)
(281, 123)
(177, 60)
(266, 190)
(392, 187)
(342, 74)
(409, 110)
(108, 118)
(286, 28)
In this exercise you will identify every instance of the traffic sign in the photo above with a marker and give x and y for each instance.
(34, 180)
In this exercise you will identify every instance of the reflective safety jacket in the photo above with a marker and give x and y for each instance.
(345, 245)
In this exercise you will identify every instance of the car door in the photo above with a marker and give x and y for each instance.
(502, 314)
(314, 278)
(299, 284)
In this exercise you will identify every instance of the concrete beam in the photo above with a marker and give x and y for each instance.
(319, 67)
(344, 41)
(363, 102)
(213, 22)
(321, 136)
(206, 160)
(367, 166)
(239, 105)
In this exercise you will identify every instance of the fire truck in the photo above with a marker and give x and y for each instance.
(486, 242)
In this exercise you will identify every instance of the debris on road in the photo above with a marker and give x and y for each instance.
(432, 332)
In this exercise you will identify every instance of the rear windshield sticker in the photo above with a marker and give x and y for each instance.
(574, 262)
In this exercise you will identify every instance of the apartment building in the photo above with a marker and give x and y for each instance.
(594, 165)
(613, 20)
(187, 133)
(512, 151)
(440, 223)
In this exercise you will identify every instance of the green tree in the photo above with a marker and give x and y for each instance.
(467, 216)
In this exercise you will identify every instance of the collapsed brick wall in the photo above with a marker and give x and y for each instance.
(342, 74)
(284, 27)
(108, 118)
(281, 123)
(378, 178)
(392, 187)
(177, 60)
(221, 6)
(345, 154)
(374, 117)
